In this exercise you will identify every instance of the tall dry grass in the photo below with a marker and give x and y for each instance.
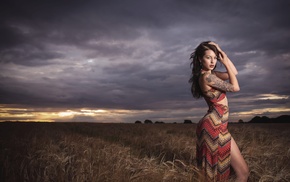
(130, 152)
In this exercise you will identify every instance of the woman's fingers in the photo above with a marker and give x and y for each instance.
(217, 46)
(222, 54)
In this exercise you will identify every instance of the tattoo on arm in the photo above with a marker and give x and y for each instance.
(218, 83)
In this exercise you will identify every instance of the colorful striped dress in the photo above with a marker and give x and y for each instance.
(214, 140)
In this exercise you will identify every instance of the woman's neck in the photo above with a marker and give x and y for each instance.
(205, 71)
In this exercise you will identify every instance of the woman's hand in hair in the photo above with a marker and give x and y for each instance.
(217, 46)
(222, 55)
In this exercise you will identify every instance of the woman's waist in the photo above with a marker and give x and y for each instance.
(217, 99)
(218, 107)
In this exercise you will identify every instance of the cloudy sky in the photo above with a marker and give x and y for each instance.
(122, 61)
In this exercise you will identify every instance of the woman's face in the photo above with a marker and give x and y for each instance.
(209, 60)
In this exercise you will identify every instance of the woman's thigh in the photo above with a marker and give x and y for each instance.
(237, 161)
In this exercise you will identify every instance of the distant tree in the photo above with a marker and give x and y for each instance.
(174, 123)
(255, 119)
(147, 121)
(187, 121)
(282, 119)
(138, 122)
(265, 119)
(241, 121)
(258, 119)
(159, 122)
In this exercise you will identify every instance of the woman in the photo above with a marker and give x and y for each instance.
(216, 150)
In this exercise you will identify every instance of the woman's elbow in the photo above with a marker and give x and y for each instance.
(236, 89)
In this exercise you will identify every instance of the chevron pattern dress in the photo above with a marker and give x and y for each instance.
(214, 140)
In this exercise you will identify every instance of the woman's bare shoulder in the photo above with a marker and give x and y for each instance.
(203, 82)
(205, 75)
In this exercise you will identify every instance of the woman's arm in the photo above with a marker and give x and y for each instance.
(217, 83)
(232, 66)
(224, 75)
(214, 81)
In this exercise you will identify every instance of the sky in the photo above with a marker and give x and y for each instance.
(122, 61)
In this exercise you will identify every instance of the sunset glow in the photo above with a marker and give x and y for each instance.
(272, 97)
(264, 111)
(44, 115)
(115, 115)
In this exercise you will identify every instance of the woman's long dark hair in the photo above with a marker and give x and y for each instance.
(196, 56)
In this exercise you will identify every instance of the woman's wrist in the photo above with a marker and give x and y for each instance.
(226, 64)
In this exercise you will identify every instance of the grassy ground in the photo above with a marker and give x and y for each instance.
(130, 152)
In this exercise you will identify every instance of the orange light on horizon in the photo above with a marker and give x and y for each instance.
(67, 113)
(272, 97)
(112, 115)
(93, 111)
(263, 110)
(54, 114)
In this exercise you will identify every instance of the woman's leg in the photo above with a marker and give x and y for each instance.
(238, 162)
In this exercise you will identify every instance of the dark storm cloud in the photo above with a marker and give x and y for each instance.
(135, 55)
(29, 56)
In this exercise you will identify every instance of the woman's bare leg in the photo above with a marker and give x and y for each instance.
(238, 163)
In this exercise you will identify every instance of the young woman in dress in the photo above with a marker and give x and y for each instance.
(216, 150)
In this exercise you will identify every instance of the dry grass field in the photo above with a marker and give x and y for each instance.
(130, 152)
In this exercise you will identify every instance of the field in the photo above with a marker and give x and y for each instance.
(130, 152)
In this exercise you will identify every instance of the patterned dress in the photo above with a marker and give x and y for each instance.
(213, 139)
